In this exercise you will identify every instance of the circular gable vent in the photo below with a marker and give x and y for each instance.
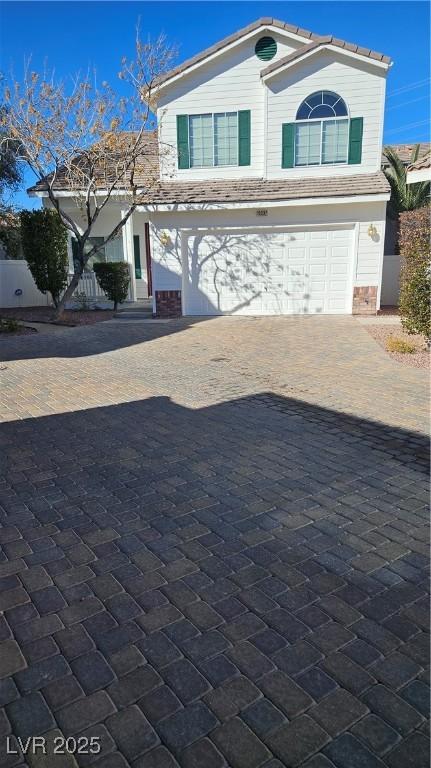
(266, 48)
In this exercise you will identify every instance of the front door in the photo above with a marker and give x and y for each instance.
(140, 273)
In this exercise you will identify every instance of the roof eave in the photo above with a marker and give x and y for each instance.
(283, 64)
(272, 25)
(363, 197)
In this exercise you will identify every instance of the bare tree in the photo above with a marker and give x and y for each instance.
(79, 136)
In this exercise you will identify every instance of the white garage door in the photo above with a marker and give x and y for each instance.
(271, 273)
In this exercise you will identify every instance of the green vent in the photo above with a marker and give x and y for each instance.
(266, 48)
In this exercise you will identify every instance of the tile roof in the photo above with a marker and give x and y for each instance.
(405, 151)
(421, 164)
(265, 22)
(317, 43)
(106, 170)
(256, 190)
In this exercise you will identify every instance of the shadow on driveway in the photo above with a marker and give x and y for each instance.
(234, 583)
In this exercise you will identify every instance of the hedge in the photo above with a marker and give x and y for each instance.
(415, 271)
(44, 242)
(113, 278)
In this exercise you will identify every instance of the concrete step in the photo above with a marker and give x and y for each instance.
(135, 315)
(139, 310)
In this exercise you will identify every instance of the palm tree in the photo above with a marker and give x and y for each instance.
(404, 197)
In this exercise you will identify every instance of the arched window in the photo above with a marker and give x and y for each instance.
(322, 135)
(322, 104)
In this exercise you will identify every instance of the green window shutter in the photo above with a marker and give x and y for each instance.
(244, 135)
(288, 145)
(137, 257)
(74, 244)
(355, 140)
(183, 141)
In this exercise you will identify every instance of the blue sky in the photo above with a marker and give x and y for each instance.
(74, 35)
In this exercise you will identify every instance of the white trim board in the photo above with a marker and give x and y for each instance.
(325, 47)
(305, 201)
(225, 49)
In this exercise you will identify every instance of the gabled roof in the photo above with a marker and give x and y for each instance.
(265, 23)
(314, 47)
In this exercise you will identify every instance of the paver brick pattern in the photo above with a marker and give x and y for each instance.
(214, 546)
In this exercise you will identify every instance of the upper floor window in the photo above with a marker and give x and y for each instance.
(213, 139)
(324, 138)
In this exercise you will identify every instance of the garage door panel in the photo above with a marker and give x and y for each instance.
(340, 252)
(337, 285)
(340, 268)
(318, 254)
(318, 269)
(272, 273)
(297, 254)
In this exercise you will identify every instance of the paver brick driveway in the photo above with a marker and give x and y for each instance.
(213, 546)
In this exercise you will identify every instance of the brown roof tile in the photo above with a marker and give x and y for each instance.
(289, 58)
(107, 171)
(316, 43)
(257, 190)
(405, 151)
(422, 163)
(262, 23)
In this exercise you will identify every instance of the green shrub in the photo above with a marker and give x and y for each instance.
(415, 288)
(400, 345)
(8, 325)
(44, 242)
(113, 278)
(82, 301)
(10, 236)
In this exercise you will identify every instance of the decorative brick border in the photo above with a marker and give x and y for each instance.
(365, 300)
(168, 304)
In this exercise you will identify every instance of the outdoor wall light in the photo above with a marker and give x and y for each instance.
(165, 238)
(372, 230)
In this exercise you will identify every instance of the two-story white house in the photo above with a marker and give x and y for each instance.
(272, 200)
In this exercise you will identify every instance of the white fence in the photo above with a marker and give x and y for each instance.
(89, 285)
(390, 280)
(18, 289)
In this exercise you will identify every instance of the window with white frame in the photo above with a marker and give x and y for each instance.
(322, 130)
(213, 139)
(110, 251)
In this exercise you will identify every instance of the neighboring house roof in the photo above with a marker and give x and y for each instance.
(106, 170)
(405, 151)
(419, 171)
(264, 23)
(424, 162)
(255, 190)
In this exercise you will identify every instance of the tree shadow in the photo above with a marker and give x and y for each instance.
(87, 340)
(144, 512)
(225, 272)
(255, 280)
